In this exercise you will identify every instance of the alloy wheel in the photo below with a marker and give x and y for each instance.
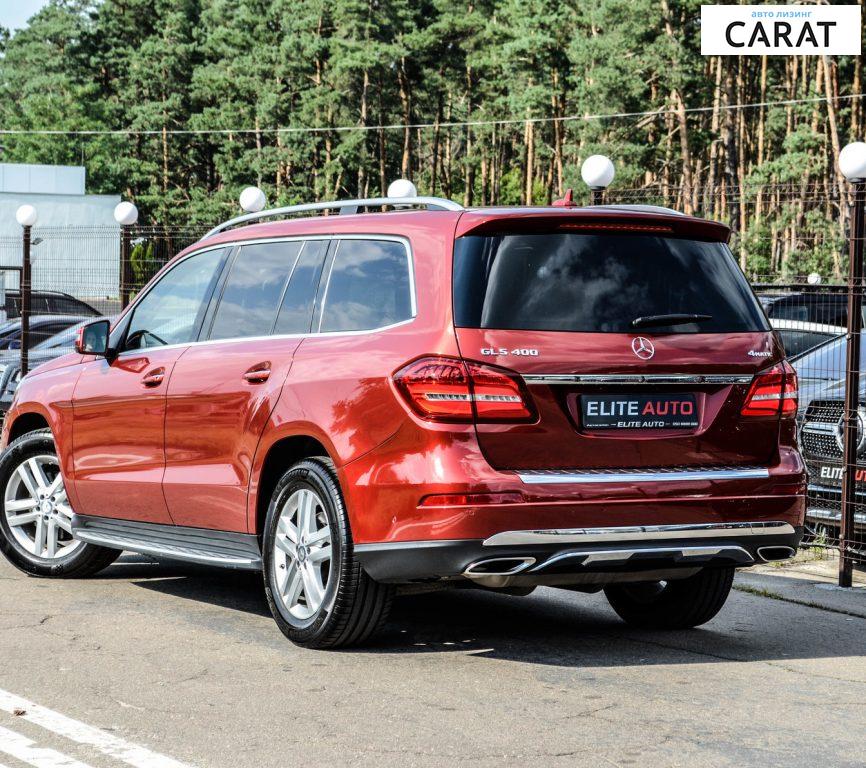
(37, 509)
(302, 554)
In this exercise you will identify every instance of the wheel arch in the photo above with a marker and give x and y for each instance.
(28, 421)
(270, 464)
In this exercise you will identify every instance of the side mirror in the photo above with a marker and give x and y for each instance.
(93, 338)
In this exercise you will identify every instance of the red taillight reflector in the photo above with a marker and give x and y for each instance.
(773, 392)
(470, 499)
(448, 389)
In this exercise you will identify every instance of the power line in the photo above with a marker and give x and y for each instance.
(415, 126)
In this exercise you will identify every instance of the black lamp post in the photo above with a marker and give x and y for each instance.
(26, 216)
(852, 163)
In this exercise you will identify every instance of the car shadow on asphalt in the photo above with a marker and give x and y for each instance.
(550, 627)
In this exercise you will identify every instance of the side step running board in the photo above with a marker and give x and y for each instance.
(194, 545)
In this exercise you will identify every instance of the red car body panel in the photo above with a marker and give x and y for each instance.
(191, 451)
(555, 441)
(214, 419)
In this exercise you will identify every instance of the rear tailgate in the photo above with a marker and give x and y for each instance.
(569, 370)
(559, 307)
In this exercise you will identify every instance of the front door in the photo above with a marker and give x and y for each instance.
(118, 428)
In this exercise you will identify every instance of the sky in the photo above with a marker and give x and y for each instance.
(14, 13)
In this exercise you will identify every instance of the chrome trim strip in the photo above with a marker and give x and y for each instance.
(623, 555)
(538, 477)
(631, 379)
(132, 544)
(819, 427)
(833, 515)
(638, 533)
(431, 203)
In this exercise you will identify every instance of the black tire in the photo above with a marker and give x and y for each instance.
(678, 604)
(85, 560)
(354, 607)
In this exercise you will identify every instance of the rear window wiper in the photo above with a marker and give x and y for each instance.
(670, 319)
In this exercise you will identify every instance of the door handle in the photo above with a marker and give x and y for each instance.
(258, 374)
(154, 378)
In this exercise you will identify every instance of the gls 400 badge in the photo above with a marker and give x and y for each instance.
(504, 351)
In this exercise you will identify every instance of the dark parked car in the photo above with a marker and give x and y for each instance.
(42, 327)
(10, 361)
(48, 303)
(821, 445)
(828, 307)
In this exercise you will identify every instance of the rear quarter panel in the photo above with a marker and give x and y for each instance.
(339, 389)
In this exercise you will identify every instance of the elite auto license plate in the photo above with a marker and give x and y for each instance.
(624, 411)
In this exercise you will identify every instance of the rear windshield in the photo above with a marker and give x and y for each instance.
(600, 283)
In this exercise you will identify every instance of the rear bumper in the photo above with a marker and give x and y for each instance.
(425, 486)
(586, 555)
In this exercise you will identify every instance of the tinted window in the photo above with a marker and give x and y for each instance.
(599, 283)
(171, 311)
(252, 293)
(296, 310)
(368, 287)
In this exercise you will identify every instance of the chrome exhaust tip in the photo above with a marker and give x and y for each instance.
(775, 554)
(497, 571)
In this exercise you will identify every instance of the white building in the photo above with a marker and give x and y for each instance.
(76, 239)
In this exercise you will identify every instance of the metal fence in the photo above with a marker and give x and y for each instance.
(792, 242)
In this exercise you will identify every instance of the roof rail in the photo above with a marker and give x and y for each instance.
(344, 206)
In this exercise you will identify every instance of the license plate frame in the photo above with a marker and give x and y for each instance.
(665, 411)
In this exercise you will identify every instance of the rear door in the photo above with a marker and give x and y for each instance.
(223, 390)
(638, 348)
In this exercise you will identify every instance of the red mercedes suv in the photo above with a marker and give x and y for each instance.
(585, 398)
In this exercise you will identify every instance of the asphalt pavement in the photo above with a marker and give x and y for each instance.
(158, 665)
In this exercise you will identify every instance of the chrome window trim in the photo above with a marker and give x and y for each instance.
(648, 378)
(288, 238)
(539, 477)
(638, 533)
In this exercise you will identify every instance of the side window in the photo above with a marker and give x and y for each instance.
(368, 287)
(251, 296)
(296, 310)
(171, 311)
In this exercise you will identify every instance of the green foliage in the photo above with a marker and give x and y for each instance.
(279, 79)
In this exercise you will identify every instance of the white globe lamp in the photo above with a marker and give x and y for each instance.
(125, 214)
(252, 199)
(26, 215)
(814, 278)
(597, 171)
(402, 188)
(852, 161)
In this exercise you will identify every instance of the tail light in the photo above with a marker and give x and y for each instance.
(773, 392)
(452, 390)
